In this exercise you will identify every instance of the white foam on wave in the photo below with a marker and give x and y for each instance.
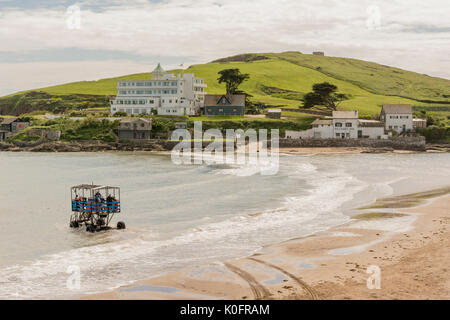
(109, 265)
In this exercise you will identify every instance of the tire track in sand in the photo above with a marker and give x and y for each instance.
(303, 284)
(259, 291)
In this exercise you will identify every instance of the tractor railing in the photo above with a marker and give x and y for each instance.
(91, 206)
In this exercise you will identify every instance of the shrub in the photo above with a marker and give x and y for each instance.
(436, 134)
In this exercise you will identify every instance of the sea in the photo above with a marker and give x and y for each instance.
(179, 216)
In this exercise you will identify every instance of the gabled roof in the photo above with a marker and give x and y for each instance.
(370, 123)
(345, 114)
(323, 122)
(235, 100)
(131, 120)
(397, 108)
(8, 120)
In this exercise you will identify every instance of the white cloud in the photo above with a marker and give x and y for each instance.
(209, 29)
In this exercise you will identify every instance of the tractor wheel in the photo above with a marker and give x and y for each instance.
(120, 225)
(90, 228)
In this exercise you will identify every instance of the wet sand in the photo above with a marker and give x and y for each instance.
(406, 237)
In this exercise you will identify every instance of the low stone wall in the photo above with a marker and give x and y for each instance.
(407, 143)
(400, 143)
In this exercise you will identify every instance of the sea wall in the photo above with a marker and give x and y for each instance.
(407, 143)
(400, 143)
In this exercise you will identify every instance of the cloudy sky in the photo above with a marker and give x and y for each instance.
(49, 42)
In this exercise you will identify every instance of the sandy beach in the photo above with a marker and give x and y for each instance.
(406, 237)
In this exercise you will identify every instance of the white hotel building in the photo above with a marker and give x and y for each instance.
(165, 93)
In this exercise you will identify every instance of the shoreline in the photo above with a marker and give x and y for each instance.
(405, 236)
(287, 146)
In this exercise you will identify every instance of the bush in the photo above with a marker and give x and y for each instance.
(120, 114)
(436, 134)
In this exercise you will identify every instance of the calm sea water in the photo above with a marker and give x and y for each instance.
(178, 216)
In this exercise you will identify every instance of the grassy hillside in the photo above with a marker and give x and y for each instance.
(277, 79)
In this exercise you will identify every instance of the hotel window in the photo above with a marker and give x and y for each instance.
(347, 135)
(152, 101)
(338, 135)
(348, 124)
(338, 124)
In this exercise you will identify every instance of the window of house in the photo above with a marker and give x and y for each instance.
(348, 124)
(338, 124)
(338, 135)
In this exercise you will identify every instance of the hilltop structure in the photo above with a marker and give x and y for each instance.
(164, 94)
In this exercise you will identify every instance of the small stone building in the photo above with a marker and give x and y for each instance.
(274, 113)
(11, 126)
(135, 129)
(224, 105)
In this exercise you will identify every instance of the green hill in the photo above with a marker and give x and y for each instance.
(275, 79)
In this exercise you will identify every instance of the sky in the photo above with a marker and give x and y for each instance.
(50, 42)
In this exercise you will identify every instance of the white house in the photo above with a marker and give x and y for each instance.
(342, 125)
(165, 93)
(397, 117)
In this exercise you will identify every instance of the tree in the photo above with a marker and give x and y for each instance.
(233, 78)
(323, 94)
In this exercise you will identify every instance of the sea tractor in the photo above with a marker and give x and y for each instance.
(94, 206)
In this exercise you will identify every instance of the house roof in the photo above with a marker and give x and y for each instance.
(397, 108)
(8, 120)
(345, 114)
(370, 123)
(131, 120)
(235, 100)
(324, 122)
